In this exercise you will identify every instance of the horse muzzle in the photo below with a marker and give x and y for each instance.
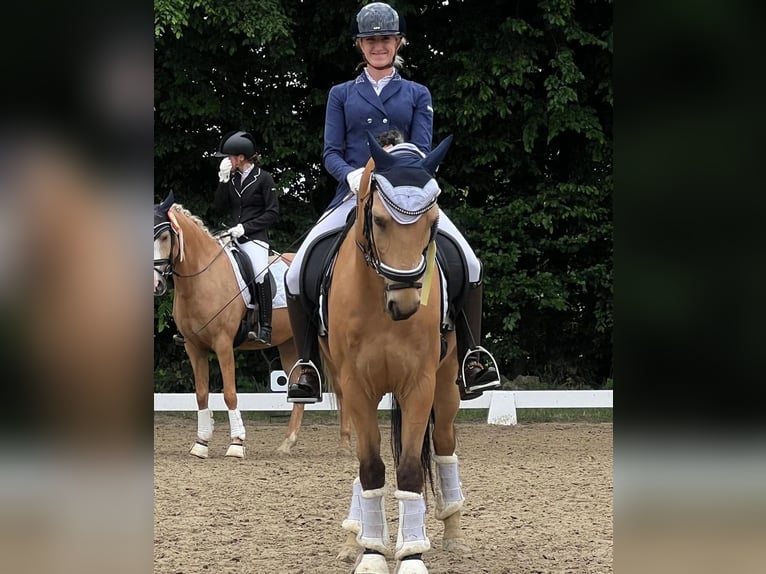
(160, 285)
(402, 301)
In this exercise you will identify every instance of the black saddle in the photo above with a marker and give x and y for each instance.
(250, 318)
(452, 263)
(316, 271)
(318, 264)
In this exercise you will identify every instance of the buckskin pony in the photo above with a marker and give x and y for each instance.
(384, 336)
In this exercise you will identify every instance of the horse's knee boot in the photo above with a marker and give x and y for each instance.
(354, 521)
(373, 534)
(411, 537)
(449, 495)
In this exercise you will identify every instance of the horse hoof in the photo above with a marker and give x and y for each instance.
(350, 550)
(345, 452)
(236, 450)
(285, 447)
(199, 450)
(349, 553)
(411, 567)
(371, 564)
(456, 546)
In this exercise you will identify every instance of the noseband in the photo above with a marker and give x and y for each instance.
(399, 278)
(164, 266)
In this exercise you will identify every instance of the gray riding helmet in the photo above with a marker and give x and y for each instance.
(377, 19)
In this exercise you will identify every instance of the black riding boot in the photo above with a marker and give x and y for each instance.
(474, 377)
(308, 387)
(263, 291)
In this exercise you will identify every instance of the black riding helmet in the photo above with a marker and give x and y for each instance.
(377, 19)
(236, 143)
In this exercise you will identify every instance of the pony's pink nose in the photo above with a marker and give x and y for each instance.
(160, 285)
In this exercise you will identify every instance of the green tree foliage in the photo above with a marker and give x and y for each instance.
(525, 87)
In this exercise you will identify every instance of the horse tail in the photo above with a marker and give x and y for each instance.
(396, 442)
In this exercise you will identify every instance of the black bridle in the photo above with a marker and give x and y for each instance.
(164, 266)
(398, 278)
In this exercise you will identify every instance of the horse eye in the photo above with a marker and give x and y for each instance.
(379, 221)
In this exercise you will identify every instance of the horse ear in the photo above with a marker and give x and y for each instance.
(382, 158)
(433, 159)
(169, 200)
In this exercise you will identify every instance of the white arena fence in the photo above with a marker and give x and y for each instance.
(501, 405)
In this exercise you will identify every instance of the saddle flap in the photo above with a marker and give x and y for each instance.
(452, 262)
(316, 271)
(246, 268)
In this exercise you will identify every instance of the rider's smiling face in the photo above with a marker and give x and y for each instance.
(379, 51)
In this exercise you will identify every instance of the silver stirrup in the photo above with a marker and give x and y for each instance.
(485, 386)
(308, 363)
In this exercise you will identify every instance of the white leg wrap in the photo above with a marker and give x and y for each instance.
(354, 521)
(236, 424)
(205, 424)
(449, 495)
(374, 531)
(411, 538)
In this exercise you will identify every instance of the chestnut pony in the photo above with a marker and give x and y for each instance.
(208, 309)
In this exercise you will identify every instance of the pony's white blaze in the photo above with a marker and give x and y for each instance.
(157, 255)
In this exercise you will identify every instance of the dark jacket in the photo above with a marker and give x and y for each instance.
(353, 109)
(252, 202)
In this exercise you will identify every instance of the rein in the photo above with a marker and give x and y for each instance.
(169, 262)
(237, 294)
(201, 271)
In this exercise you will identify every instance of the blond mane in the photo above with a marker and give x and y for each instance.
(201, 224)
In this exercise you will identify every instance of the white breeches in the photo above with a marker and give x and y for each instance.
(473, 263)
(336, 219)
(258, 251)
(333, 219)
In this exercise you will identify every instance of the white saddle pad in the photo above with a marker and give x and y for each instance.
(278, 269)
